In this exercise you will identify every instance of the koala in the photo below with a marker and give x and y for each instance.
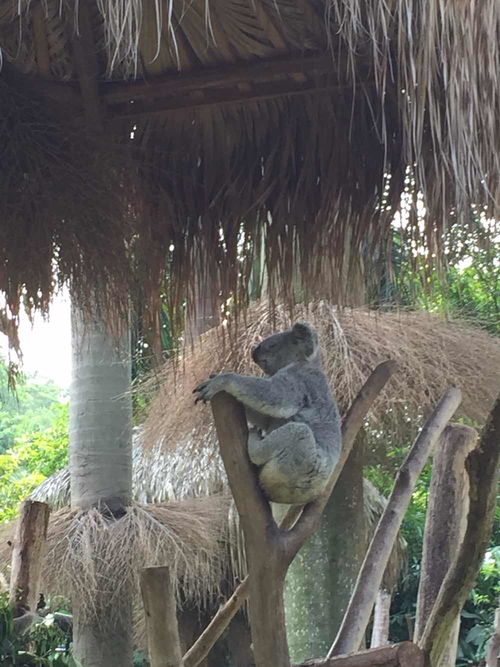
(294, 423)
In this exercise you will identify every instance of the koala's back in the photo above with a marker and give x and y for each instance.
(320, 411)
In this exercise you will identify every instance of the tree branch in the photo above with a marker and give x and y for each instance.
(482, 467)
(370, 576)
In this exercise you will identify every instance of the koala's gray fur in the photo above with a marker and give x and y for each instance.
(294, 422)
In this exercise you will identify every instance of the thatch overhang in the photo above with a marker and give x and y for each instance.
(168, 128)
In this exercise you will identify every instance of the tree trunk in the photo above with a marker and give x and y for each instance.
(370, 577)
(381, 617)
(445, 525)
(160, 610)
(101, 465)
(27, 556)
(321, 579)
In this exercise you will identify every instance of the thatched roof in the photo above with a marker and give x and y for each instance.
(433, 355)
(299, 120)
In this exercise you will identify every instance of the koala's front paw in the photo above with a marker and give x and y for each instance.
(207, 389)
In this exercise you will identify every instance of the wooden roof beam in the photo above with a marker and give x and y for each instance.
(218, 76)
(264, 91)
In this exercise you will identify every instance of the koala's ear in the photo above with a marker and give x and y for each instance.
(302, 331)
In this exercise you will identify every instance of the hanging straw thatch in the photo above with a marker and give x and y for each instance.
(97, 560)
(314, 156)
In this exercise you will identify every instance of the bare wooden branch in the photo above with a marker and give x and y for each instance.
(370, 576)
(27, 556)
(266, 563)
(202, 646)
(445, 525)
(352, 423)
(482, 468)
(405, 654)
(160, 611)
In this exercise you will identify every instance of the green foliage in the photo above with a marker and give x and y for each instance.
(27, 410)
(43, 645)
(467, 285)
(34, 456)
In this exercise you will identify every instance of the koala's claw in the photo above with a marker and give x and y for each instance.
(206, 390)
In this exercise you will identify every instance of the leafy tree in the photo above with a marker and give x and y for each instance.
(28, 409)
(35, 455)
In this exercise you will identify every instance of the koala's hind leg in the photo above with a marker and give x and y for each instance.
(294, 469)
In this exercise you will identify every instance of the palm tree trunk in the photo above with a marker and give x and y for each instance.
(101, 464)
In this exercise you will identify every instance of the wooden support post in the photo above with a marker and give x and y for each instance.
(445, 525)
(381, 617)
(160, 611)
(370, 576)
(27, 555)
(482, 466)
(405, 654)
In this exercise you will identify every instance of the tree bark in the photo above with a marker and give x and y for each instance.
(381, 617)
(316, 596)
(160, 611)
(266, 560)
(493, 645)
(405, 654)
(482, 467)
(352, 423)
(445, 525)
(101, 464)
(27, 556)
(370, 577)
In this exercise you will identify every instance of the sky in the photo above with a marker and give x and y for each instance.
(46, 345)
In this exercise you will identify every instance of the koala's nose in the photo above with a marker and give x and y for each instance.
(255, 353)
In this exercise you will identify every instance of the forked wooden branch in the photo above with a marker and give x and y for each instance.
(482, 467)
(370, 576)
(352, 423)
